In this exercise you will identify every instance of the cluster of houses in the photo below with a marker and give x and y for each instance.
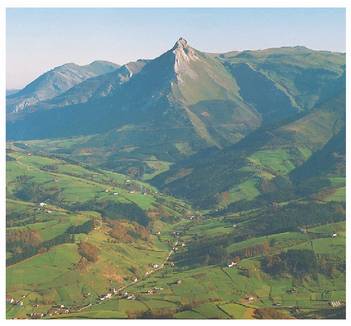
(132, 189)
(15, 302)
(114, 291)
(105, 296)
(154, 290)
(108, 295)
(54, 310)
(177, 245)
(36, 315)
(154, 268)
(58, 310)
(42, 206)
(336, 304)
(128, 296)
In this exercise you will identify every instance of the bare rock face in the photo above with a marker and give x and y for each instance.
(184, 54)
(181, 43)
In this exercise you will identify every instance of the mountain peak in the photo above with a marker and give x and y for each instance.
(181, 43)
(183, 55)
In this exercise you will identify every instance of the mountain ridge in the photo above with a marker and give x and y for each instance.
(185, 101)
(55, 82)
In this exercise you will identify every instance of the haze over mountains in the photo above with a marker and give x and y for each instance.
(55, 82)
(186, 101)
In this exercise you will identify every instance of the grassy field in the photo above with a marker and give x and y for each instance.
(158, 282)
(42, 278)
(221, 292)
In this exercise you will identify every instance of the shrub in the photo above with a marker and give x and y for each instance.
(88, 251)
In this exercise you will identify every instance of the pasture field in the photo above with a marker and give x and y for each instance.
(83, 249)
(221, 292)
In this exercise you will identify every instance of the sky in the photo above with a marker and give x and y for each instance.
(37, 40)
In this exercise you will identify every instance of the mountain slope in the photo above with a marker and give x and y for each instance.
(55, 82)
(255, 164)
(163, 93)
(94, 87)
(182, 102)
(306, 76)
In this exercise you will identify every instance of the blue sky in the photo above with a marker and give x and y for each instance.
(40, 39)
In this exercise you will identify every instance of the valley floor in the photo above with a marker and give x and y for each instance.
(185, 264)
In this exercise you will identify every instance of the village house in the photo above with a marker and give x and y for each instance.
(10, 300)
(232, 264)
(336, 304)
(42, 204)
(36, 315)
(105, 296)
(249, 298)
(114, 290)
(131, 297)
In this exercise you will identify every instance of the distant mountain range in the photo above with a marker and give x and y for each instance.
(54, 83)
(218, 117)
(11, 91)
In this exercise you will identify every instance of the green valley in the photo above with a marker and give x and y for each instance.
(191, 186)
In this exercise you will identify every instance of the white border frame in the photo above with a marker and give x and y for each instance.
(161, 4)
